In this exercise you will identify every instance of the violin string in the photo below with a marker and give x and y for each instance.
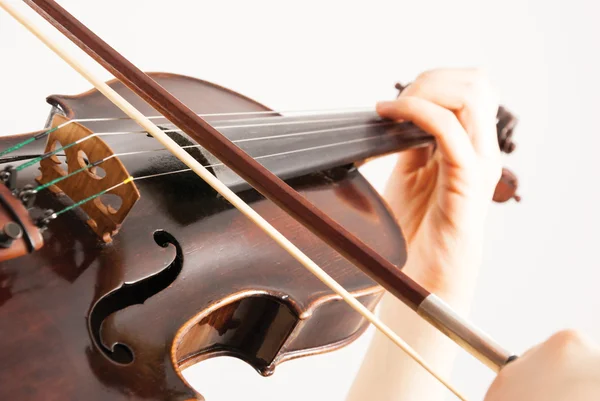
(51, 153)
(308, 112)
(64, 177)
(47, 132)
(280, 136)
(258, 125)
(304, 133)
(321, 131)
(131, 178)
(39, 136)
(43, 134)
(286, 153)
(234, 199)
(332, 117)
(89, 198)
(322, 275)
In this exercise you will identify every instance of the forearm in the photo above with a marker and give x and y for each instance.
(387, 372)
(440, 197)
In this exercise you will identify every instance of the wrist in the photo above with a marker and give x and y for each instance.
(455, 290)
(452, 276)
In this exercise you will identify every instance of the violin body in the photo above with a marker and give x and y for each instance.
(186, 278)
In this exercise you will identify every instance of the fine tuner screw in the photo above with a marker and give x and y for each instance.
(26, 195)
(45, 219)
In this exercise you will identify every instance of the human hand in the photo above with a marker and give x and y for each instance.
(441, 196)
(566, 367)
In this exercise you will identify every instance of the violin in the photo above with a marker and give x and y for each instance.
(120, 267)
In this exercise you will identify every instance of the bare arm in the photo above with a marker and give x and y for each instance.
(440, 199)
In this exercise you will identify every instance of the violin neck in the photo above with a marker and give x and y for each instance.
(292, 146)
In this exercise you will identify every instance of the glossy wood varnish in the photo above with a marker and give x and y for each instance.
(13, 211)
(186, 278)
(179, 113)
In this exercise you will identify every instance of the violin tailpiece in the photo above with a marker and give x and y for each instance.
(105, 213)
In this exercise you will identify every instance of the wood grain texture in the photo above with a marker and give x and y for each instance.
(223, 287)
(283, 195)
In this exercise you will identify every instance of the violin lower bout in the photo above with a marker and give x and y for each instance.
(82, 320)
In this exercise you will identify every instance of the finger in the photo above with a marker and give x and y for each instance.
(473, 81)
(413, 159)
(532, 351)
(465, 75)
(453, 141)
(470, 96)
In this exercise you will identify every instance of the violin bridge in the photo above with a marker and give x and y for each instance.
(105, 213)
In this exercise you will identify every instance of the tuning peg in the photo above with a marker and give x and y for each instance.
(8, 233)
(507, 187)
(505, 126)
(26, 195)
(47, 216)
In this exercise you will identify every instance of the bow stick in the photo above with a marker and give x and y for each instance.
(426, 304)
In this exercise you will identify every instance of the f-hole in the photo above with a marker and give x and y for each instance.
(129, 294)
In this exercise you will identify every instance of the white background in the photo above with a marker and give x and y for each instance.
(540, 272)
